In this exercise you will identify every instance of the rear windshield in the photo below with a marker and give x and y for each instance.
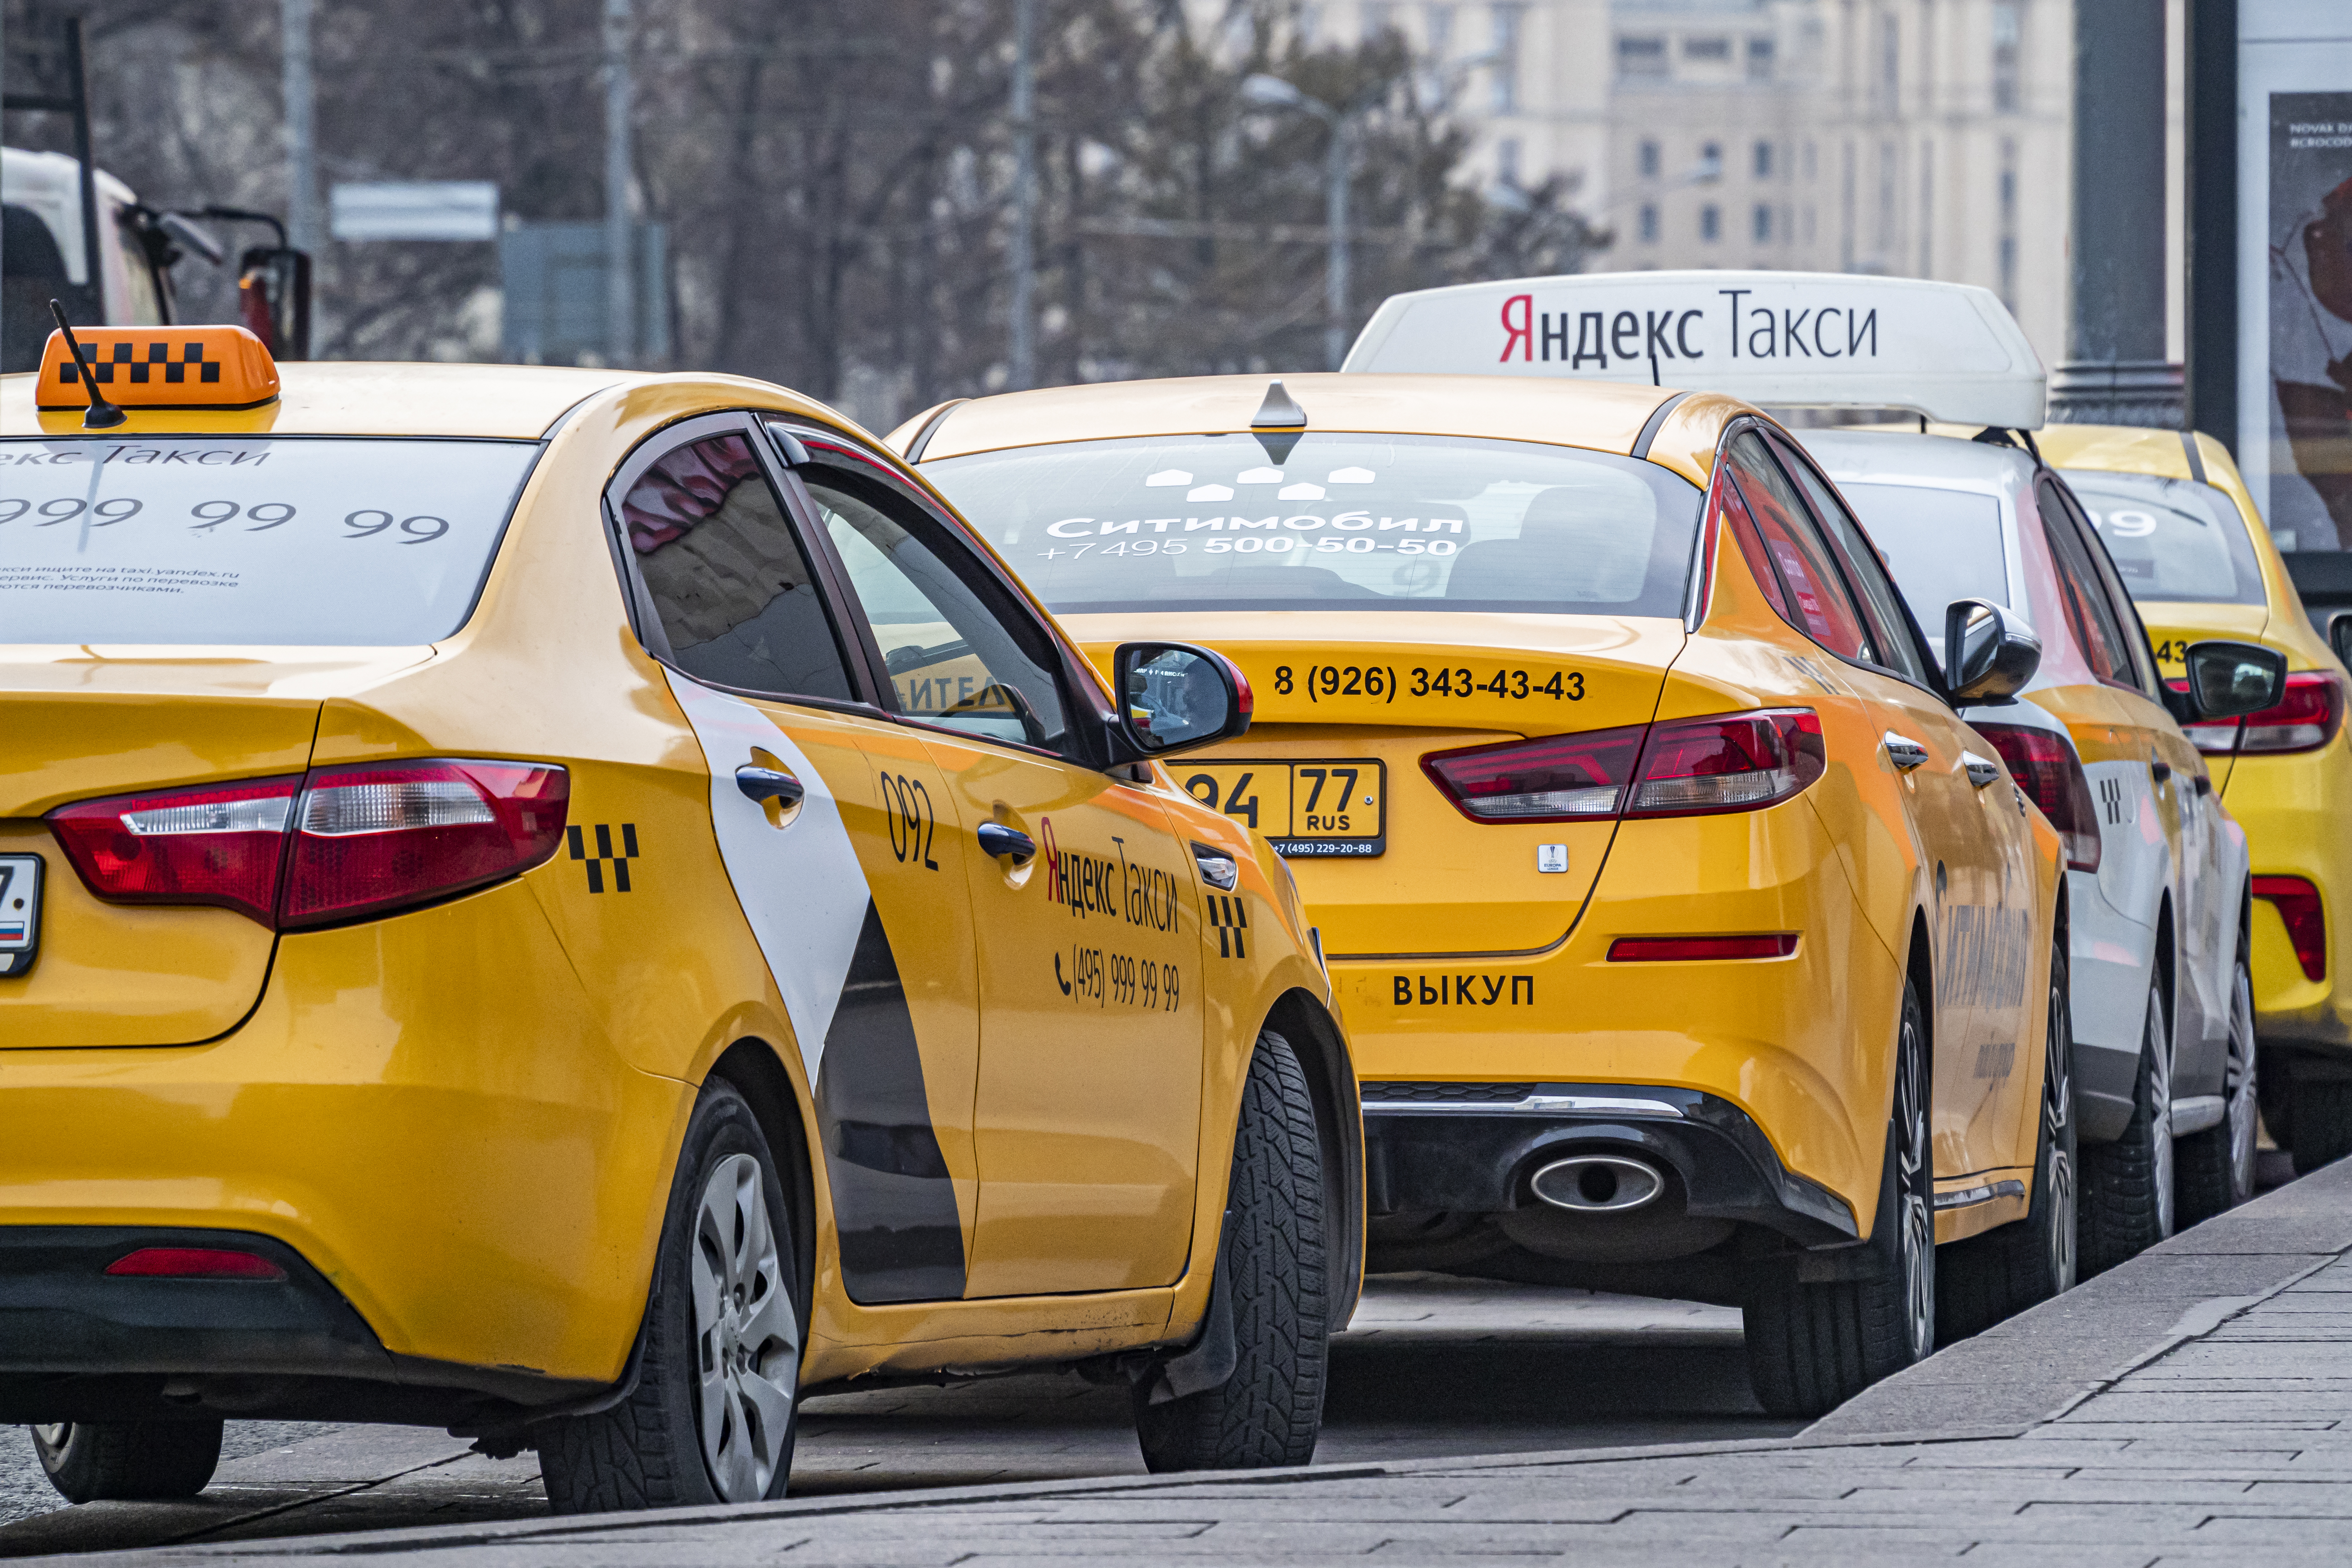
(1332, 522)
(249, 541)
(2171, 539)
(1941, 545)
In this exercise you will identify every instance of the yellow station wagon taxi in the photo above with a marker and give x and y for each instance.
(576, 906)
(1690, 944)
(2195, 556)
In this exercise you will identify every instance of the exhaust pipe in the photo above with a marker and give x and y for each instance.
(1598, 1183)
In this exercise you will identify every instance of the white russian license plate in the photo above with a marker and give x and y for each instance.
(20, 913)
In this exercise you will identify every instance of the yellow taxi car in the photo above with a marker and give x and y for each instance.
(2196, 558)
(578, 906)
(1689, 942)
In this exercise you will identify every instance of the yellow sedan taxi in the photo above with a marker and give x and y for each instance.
(1689, 942)
(2197, 559)
(577, 906)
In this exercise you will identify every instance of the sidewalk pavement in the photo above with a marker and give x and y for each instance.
(2192, 1406)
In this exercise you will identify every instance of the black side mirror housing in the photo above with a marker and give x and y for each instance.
(2339, 636)
(1989, 654)
(2228, 680)
(1173, 697)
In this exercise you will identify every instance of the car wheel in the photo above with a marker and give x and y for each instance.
(2216, 1167)
(1985, 1279)
(2127, 1186)
(711, 1417)
(1272, 1273)
(2322, 1120)
(1815, 1344)
(88, 1460)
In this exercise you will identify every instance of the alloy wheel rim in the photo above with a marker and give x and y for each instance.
(1918, 1235)
(2159, 1055)
(747, 1335)
(54, 1434)
(2245, 1108)
(2057, 1099)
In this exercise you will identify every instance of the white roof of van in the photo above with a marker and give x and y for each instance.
(1949, 350)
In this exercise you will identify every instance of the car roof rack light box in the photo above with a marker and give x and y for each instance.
(1946, 352)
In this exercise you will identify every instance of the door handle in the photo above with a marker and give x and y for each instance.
(995, 838)
(1903, 751)
(766, 783)
(1980, 772)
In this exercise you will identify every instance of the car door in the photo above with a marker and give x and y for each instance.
(1086, 1113)
(1991, 958)
(847, 867)
(1929, 749)
(2180, 788)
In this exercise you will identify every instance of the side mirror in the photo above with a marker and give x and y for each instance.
(2339, 636)
(1173, 697)
(1988, 653)
(2231, 680)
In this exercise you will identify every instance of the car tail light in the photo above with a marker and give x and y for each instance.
(194, 1263)
(342, 843)
(216, 844)
(2298, 902)
(1687, 767)
(2045, 767)
(1561, 778)
(1668, 948)
(2305, 718)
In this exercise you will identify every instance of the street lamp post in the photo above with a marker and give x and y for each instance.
(1264, 91)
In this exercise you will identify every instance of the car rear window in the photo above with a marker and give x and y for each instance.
(1942, 546)
(292, 540)
(2170, 539)
(1332, 522)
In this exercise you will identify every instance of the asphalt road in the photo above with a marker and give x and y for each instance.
(1430, 1368)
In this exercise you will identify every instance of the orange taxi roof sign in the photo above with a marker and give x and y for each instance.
(160, 367)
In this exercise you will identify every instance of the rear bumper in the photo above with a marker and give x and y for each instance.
(1428, 1153)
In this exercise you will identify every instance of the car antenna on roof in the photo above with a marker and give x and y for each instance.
(102, 415)
(1279, 411)
(2027, 437)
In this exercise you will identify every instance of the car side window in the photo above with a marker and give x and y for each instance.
(727, 576)
(1815, 602)
(1890, 628)
(2124, 613)
(2088, 615)
(959, 652)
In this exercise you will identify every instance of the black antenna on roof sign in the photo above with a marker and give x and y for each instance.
(102, 415)
(1279, 410)
(1653, 366)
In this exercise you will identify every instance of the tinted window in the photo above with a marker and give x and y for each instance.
(1942, 545)
(1816, 601)
(1332, 522)
(244, 541)
(1881, 605)
(728, 578)
(954, 657)
(2089, 614)
(2171, 539)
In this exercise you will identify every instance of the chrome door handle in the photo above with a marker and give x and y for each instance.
(767, 784)
(1903, 751)
(995, 838)
(1980, 772)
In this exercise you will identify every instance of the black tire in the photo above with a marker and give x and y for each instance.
(2214, 1171)
(652, 1449)
(89, 1460)
(1813, 1345)
(1987, 1277)
(1272, 1270)
(2322, 1118)
(2128, 1185)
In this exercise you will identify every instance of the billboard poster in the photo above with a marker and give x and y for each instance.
(2309, 326)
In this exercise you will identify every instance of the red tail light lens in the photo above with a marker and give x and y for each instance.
(218, 843)
(342, 844)
(1684, 949)
(1737, 763)
(2305, 718)
(2298, 902)
(377, 838)
(1689, 767)
(2045, 767)
(194, 1263)
(1561, 778)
